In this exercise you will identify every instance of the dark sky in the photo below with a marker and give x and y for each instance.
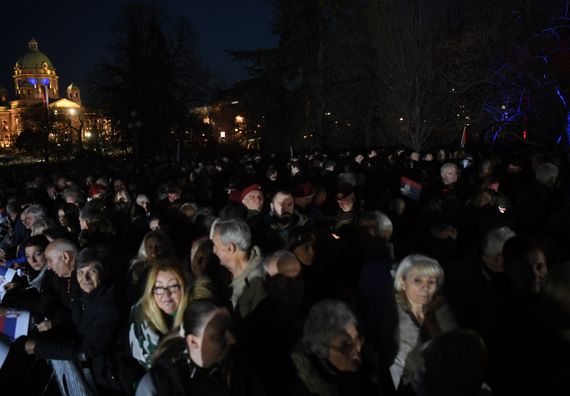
(75, 35)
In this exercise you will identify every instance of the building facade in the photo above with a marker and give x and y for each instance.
(36, 84)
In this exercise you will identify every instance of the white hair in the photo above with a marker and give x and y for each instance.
(495, 239)
(424, 265)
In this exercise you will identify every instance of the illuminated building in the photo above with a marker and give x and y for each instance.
(36, 83)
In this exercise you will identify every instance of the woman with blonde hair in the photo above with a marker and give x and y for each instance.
(422, 313)
(161, 308)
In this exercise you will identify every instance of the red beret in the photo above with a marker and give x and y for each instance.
(248, 189)
(95, 189)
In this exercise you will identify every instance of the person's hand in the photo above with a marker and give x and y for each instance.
(9, 286)
(44, 326)
(3, 312)
(30, 346)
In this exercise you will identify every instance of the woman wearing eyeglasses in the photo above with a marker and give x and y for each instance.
(160, 309)
(329, 359)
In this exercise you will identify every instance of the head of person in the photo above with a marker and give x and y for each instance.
(164, 294)
(208, 332)
(231, 239)
(455, 364)
(97, 191)
(440, 155)
(303, 194)
(32, 214)
(121, 198)
(73, 196)
(377, 224)
(331, 334)
(492, 248)
(88, 215)
(282, 207)
(119, 184)
(143, 201)
(301, 241)
(525, 264)
(271, 174)
(60, 257)
(34, 248)
(417, 280)
(547, 174)
(173, 191)
(68, 215)
(90, 271)
(203, 261)
(156, 245)
(252, 198)
(345, 197)
(188, 210)
(449, 173)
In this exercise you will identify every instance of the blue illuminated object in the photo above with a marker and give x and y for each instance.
(33, 81)
(45, 81)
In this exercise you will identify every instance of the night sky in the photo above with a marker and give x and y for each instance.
(76, 35)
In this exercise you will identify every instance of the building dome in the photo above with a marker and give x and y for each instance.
(33, 58)
(72, 86)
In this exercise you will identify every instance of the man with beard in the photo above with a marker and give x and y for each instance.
(283, 217)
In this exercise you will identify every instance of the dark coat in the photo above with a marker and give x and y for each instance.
(96, 318)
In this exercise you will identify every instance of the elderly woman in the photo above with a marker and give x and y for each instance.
(422, 314)
(95, 316)
(328, 359)
(160, 309)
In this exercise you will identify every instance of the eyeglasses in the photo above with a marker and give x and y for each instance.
(159, 291)
(348, 346)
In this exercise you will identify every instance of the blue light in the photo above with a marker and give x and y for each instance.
(33, 81)
(561, 97)
(568, 128)
(559, 140)
(45, 81)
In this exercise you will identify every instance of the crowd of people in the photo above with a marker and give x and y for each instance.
(384, 272)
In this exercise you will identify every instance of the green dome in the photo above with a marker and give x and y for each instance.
(33, 58)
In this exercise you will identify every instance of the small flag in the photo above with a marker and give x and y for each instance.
(410, 188)
(14, 323)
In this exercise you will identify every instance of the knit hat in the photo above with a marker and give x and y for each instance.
(248, 189)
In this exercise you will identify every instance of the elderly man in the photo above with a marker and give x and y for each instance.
(252, 198)
(60, 291)
(470, 281)
(232, 244)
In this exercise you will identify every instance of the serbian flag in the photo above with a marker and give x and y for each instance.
(14, 323)
(410, 188)
(6, 276)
